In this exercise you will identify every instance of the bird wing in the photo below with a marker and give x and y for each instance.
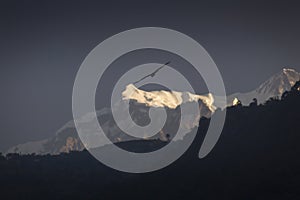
(153, 73)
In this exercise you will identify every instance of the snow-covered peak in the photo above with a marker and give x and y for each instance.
(162, 98)
(66, 138)
(279, 83)
(285, 70)
(275, 86)
(292, 75)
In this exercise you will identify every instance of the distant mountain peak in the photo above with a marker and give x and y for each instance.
(66, 138)
(279, 82)
(289, 70)
(292, 75)
(275, 86)
(162, 98)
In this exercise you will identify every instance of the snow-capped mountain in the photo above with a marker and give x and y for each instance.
(169, 99)
(275, 86)
(66, 138)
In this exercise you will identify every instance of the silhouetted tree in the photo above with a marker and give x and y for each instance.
(1, 157)
(253, 103)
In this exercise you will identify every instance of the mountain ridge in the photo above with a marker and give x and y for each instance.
(274, 86)
(66, 138)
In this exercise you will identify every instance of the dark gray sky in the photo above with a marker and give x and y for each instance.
(42, 45)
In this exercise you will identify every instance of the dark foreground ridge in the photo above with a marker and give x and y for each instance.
(257, 157)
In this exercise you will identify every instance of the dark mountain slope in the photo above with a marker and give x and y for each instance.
(257, 157)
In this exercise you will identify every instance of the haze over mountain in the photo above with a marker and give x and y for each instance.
(66, 138)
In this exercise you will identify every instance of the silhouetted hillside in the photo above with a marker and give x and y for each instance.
(257, 157)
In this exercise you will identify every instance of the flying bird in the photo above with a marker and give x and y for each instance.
(153, 73)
